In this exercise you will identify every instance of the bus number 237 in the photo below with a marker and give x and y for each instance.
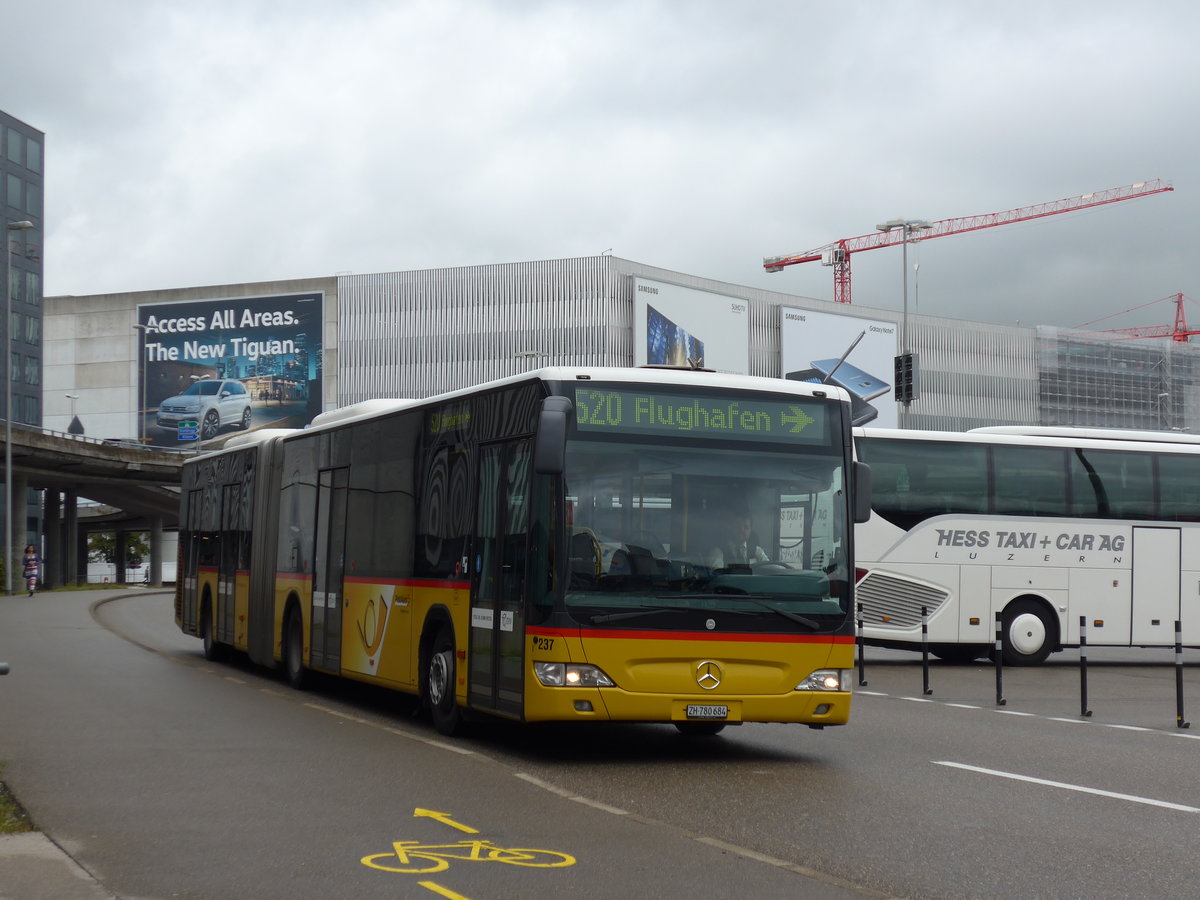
(543, 643)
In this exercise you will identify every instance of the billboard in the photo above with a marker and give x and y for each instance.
(678, 326)
(211, 368)
(811, 343)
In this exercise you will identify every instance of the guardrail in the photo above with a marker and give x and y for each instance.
(127, 443)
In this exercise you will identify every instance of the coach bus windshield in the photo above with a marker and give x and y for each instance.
(679, 520)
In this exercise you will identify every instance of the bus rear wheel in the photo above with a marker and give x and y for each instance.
(1029, 633)
(439, 684)
(293, 651)
(212, 650)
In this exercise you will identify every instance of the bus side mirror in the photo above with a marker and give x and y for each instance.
(550, 446)
(862, 492)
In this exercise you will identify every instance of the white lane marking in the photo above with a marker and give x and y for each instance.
(1132, 798)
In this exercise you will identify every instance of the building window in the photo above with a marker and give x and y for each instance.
(15, 361)
(33, 288)
(14, 280)
(33, 329)
(33, 410)
(14, 191)
(32, 370)
(33, 200)
(33, 155)
(16, 142)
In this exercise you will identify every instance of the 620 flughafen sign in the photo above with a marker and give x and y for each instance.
(271, 346)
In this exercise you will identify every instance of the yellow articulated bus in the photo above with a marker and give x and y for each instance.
(549, 547)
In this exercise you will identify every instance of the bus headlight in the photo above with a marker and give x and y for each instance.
(826, 680)
(553, 674)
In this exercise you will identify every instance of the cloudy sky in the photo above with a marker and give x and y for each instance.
(194, 143)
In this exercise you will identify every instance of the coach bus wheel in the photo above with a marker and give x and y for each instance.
(293, 651)
(700, 729)
(1029, 634)
(439, 683)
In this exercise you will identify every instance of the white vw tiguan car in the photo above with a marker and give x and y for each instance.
(211, 404)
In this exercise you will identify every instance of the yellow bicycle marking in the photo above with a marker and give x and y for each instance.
(413, 857)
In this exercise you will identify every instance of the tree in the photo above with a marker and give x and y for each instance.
(102, 547)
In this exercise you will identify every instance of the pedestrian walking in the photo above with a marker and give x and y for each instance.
(31, 569)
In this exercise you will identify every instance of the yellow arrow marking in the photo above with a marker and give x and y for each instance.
(444, 818)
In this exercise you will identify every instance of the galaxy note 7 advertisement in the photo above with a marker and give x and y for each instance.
(678, 326)
(824, 347)
(209, 369)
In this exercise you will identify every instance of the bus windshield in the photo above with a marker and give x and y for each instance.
(666, 534)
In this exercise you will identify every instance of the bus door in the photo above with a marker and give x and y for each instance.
(497, 641)
(329, 560)
(227, 565)
(1156, 561)
(191, 564)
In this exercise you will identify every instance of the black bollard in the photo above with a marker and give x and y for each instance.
(925, 651)
(1179, 723)
(999, 657)
(1083, 704)
(862, 675)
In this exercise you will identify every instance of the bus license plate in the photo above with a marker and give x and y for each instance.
(695, 711)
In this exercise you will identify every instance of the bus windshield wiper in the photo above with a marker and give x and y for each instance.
(757, 599)
(647, 610)
(637, 613)
(787, 614)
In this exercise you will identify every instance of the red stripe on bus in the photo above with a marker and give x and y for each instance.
(691, 636)
(409, 582)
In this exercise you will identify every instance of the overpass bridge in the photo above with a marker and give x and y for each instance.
(141, 483)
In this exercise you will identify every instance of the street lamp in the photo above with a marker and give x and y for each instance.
(23, 225)
(72, 398)
(907, 226)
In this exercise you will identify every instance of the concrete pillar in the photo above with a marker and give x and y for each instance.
(52, 559)
(70, 540)
(120, 547)
(156, 551)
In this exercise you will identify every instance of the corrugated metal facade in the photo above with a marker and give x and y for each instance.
(417, 333)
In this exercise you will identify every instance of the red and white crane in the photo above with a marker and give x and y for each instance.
(1177, 332)
(838, 253)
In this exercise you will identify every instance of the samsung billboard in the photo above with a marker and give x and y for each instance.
(210, 368)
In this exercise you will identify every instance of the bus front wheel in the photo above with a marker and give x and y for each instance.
(1029, 633)
(439, 684)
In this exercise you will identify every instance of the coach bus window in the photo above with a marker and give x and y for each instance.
(1179, 487)
(1030, 481)
(913, 480)
(1112, 485)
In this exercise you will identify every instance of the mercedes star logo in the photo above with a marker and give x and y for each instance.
(708, 674)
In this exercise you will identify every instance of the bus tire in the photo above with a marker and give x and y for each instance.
(439, 683)
(212, 650)
(1030, 633)
(293, 651)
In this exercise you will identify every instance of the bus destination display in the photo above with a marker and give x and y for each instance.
(796, 420)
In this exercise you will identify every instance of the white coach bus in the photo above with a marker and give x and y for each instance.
(1041, 525)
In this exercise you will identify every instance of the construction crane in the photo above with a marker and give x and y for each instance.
(1177, 332)
(838, 253)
